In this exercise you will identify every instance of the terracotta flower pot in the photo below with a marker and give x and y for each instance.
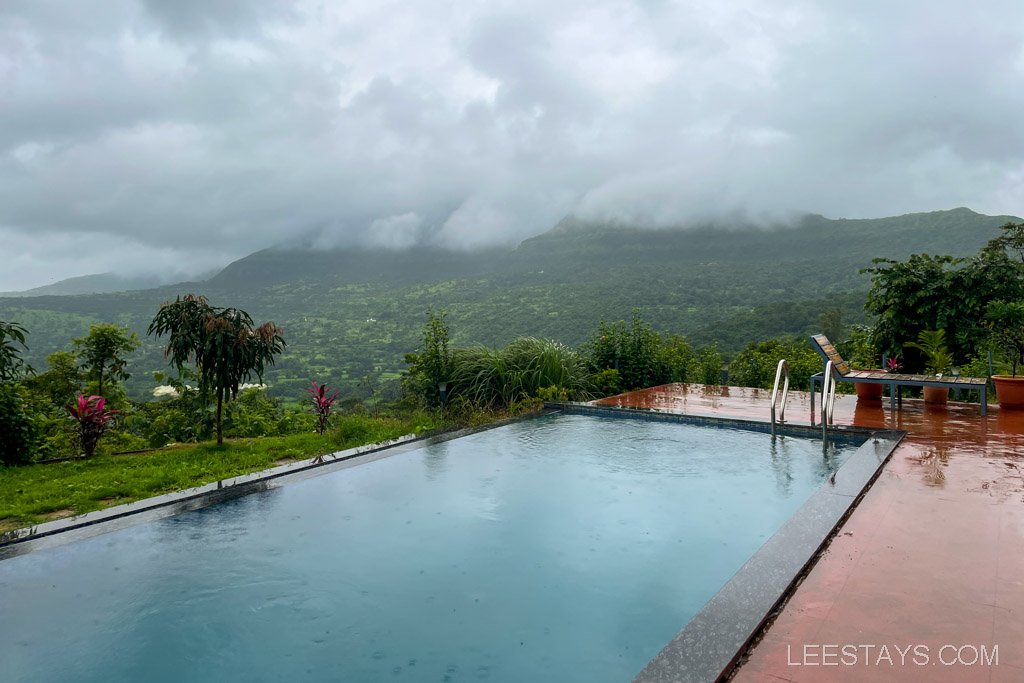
(936, 395)
(869, 393)
(1009, 391)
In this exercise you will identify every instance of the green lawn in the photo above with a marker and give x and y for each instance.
(37, 493)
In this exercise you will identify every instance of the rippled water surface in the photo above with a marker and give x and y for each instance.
(566, 548)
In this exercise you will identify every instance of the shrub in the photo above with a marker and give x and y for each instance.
(633, 350)
(431, 364)
(607, 383)
(499, 378)
(93, 418)
(253, 413)
(19, 439)
(708, 366)
(756, 365)
(322, 403)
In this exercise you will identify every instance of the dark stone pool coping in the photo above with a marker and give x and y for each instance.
(710, 645)
(77, 527)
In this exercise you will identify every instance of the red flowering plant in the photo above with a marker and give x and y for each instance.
(322, 403)
(892, 364)
(93, 419)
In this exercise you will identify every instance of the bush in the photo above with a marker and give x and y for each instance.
(635, 351)
(93, 418)
(499, 378)
(708, 366)
(252, 413)
(607, 383)
(756, 365)
(19, 438)
(431, 364)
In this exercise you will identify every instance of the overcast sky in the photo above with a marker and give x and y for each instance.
(172, 136)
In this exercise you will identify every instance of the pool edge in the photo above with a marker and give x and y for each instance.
(60, 531)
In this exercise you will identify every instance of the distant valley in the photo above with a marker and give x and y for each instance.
(351, 314)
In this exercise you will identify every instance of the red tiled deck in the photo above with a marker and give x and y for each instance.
(933, 556)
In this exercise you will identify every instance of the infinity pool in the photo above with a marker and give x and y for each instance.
(563, 548)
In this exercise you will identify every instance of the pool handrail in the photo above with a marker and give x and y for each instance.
(782, 370)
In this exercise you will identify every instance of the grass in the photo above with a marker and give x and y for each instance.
(31, 494)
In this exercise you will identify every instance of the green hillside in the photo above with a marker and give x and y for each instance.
(347, 313)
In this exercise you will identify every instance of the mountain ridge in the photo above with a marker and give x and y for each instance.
(349, 312)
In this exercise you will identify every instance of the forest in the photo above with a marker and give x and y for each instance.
(351, 315)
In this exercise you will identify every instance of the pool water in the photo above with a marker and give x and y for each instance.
(564, 548)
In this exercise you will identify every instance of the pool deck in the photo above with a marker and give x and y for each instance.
(932, 557)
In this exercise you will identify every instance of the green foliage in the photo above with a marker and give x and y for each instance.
(757, 364)
(499, 378)
(101, 353)
(677, 357)
(1011, 240)
(28, 493)
(253, 413)
(708, 366)
(1005, 320)
(606, 383)
(363, 310)
(940, 292)
(222, 343)
(932, 343)
(432, 363)
(635, 350)
(12, 366)
(861, 349)
(830, 322)
(19, 438)
(62, 380)
(181, 418)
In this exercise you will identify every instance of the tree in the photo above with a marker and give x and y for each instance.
(101, 352)
(62, 380)
(222, 342)
(634, 350)
(1011, 240)
(431, 364)
(18, 433)
(12, 366)
(940, 292)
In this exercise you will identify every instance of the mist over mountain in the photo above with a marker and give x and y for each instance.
(353, 313)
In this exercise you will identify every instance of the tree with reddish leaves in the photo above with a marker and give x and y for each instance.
(322, 403)
(222, 342)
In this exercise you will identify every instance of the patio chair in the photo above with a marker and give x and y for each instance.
(894, 380)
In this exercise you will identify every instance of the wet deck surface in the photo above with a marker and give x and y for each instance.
(932, 558)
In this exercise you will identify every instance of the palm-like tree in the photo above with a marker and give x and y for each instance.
(222, 342)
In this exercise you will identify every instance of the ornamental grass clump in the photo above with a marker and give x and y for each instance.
(93, 418)
(498, 378)
(322, 404)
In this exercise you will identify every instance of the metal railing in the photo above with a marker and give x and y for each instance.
(828, 396)
(782, 371)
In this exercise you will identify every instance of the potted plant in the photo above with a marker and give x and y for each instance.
(939, 361)
(1005, 321)
(864, 355)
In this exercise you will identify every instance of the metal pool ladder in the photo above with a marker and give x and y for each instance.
(782, 371)
(828, 397)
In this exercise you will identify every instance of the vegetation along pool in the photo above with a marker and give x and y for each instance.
(563, 548)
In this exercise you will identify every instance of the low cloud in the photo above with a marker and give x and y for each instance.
(163, 134)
